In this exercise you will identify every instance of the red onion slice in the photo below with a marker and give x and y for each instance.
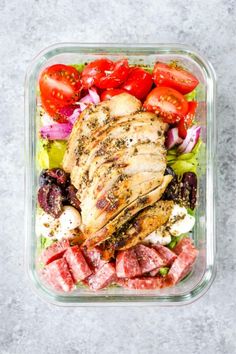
(172, 138)
(47, 120)
(94, 95)
(191, 140)
(58, 131)
(74, 116)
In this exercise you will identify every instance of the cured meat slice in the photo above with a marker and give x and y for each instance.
(103, 277)
(154, 272)
(185, 244)
(57, 275)
(166, 255)
(55, 251)
(148, 258)
(77, 263)
(94, 257)
(127, 265)
(182, 266)
(142, 283)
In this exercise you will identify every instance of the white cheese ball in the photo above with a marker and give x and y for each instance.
(46, 225)
(180, 222)
(70, 219)
(156, 237)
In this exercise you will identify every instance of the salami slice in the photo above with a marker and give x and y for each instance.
(148, 258)
(182, 265)
(166, 254)
(77, 263)
(142, 283)
(185, 244)
(103, 277)
(57, 275)
(127, 265)
(55, 251)
(94, 258)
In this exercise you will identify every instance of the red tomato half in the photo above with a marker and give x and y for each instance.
(108, 94)
(177, 78)
(94, 71)
(187, 121)
(138, 83)
(59, 86)
(168, 103)
(105, 73)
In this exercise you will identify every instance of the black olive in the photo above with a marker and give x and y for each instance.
(71, 197)
(54, 176)
(189, 189)
(169, 171)
(50, 199)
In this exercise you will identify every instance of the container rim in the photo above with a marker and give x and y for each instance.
(123, 300)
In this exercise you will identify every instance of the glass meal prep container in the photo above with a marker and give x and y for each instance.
(203, 234)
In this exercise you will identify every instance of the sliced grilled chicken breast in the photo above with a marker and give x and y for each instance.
(91, 119)
(146, 221)
(117, 159)
(126, 214)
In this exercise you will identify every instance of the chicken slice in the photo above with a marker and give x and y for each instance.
(106, 133)
(135, 230)
(91, 119)
(112, 202)
(126, 214)
(148, 150)
(118, 138)
(147, 221)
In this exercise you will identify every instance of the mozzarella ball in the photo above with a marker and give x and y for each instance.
(69, 219)
(156, 237)
(180, 222)
(46, 225)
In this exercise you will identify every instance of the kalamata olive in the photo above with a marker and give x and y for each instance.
(71, 197)
(173, 188)
(50, 199)
(60, 177)
(189, 189)
(53, 176)
(45, 179)
(169, 171)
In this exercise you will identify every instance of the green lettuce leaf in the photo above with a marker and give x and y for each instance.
(189, 162)
(79, 67)
(42, 243)
(164, 271)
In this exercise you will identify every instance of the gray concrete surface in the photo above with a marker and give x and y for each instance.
(28, 325)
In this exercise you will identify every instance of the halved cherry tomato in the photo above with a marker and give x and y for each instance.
(138, 83)
(59, 86)
(175, 77)
(108, 94)
(168, 103)
(187, 121)
(105, 73)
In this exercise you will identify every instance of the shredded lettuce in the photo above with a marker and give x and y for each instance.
(50, 153)
(188, 162)
(42, 243)
(164, 271)
(79, 67)
(191, 96)
(198, 94)
(175, 240)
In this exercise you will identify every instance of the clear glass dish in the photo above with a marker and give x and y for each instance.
(203, 273)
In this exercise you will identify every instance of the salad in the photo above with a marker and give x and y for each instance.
(117, 159)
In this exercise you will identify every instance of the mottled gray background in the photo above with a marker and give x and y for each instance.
(28, 325)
